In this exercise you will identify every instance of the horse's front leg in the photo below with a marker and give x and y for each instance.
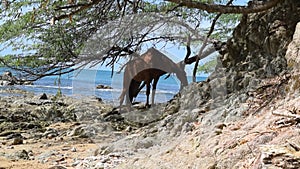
(127, 101)
(121, 97)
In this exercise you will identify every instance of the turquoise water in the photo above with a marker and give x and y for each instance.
(84, 83)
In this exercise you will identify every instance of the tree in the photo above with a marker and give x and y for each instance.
(209, 66)
(51, 37)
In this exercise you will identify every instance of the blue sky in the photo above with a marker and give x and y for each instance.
(176, 53)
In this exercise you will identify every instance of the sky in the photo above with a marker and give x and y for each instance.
(176, 53)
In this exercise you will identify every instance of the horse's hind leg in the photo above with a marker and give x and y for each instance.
(153, 90)
(147, 93)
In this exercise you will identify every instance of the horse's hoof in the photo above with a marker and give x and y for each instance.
(128, 109)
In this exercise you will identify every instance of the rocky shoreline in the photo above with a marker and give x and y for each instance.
(65, 132)
(43, 122)
(50, 130)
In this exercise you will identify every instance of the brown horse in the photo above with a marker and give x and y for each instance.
(147, 68)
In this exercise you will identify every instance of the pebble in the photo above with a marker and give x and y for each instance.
(73, 149)
(220, 125)
(65, 148)
(128, 129)
(30, 153)
(75, 163)
(235, 127)
(218, 131)
(10, 147)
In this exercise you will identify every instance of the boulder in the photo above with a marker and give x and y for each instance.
(44, 96)
(5, 83)
(100, 86)
(7, 79)
(259, 45)
(293, 60)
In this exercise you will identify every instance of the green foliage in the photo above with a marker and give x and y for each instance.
(43, 46)
(225, 26)
(208, 67)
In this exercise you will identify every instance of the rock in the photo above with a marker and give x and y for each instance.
(276, 156)
(8, 79)
(5, 83)
(50, 133)
(220, 126)
(30, 153)
(84, 131)
(99, 99)
(22, 154)
(218, 87)
(292, 56)
(258, 46)
(44, 156)
(100, 86)
(73, 149)
(100, 165)
(128, 129)
(218, 131)
(17, 140)
(7, 74)
(44, 97)
(75, 163)
(145, 143)
(182, 122)
(292, 53)
(111, 160)
(199, 111)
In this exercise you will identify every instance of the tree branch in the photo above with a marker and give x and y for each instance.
(83, 7)
(224, 9)
(72, 6)
(212, 27)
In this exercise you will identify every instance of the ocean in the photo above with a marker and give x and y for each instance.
(84, 82)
